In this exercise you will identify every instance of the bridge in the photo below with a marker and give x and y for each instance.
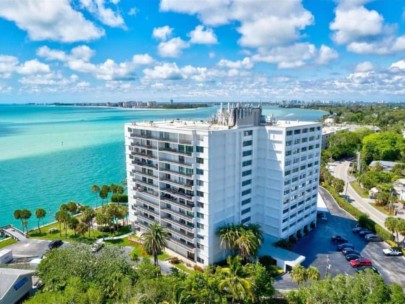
(13, 232)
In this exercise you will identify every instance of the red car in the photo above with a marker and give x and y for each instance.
(360, 262)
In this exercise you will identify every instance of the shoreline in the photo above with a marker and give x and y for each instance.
(129, 109)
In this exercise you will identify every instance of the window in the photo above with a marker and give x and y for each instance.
(200, 215)
(244, 211)
(247, 153)
(200, 183)
(247, 143)
(288, 153)
(244, 221)
(246, 182)
(200, 226)
(305, 130)
(287, 172)
(200, 194)
(247, 172)
(246, 163)
(318, 128)
(247, 133)
(248, 191)
(297, 141)
(297, 131)
(200, 160)
(311, 129)
(199, 149)
(200, 260)
(246, 201)
(200, 172)
(200, 246)
(201, 237)
(200, 205)
(289, 133)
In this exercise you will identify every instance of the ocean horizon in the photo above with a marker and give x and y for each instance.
(51, 155)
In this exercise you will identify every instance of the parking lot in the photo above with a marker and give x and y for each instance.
(321, 252)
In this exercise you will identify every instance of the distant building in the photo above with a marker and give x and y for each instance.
(193, 177)
(399, 188)
(386, 165)
(15, 285)
(151, 104)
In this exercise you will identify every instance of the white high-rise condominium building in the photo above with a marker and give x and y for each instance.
(193, 177)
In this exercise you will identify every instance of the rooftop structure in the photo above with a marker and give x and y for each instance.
(15, 285)
(239, 167)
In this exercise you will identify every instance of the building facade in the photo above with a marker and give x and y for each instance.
(241, 167)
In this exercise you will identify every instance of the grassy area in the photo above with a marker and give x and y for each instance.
(360, 191)
(47, 233)
(163, 256)
(183, 267)
(7, 242)
(383, 209)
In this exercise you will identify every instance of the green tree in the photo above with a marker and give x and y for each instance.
(383, 146)
(104, 193)
(59, 217)
(235, 282)
(247, 243)
(87, 217)
(343, 144)
(299, 274)
(96, 190)
(312, 273)
(40, 213)
(73, 222)
(154, 240)
(17, 216)
(392, 225)
(228, 235)
(72, 207)
(25, 216)
(62, 216)
(82, 228)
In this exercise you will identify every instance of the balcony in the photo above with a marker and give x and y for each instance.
(143, 201)
(176, 172)
(177, 193)
(147, 209)
(138, 144)
(175, 151)
(179, 233)
(145, 173)
(144, 184)
(184, 216)
(142, 154)
(146, 136)
(145, 218)
(141, 224)
(174, 162)
(170, 220)
(144, 164)
(176, 183)
(180, 243)
(169, 200)
(143, 191)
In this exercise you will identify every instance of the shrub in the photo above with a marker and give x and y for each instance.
(174, 260)
(134, 256)
(384, 234)
(292, 239)
(267, 260)
(119, 198)
(283, 243)
(198, 268)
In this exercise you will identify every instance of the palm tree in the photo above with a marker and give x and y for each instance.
(73, 223)
(236, 282)
(25, 216)
(228, 235)
(154, 240)
(72, 207)
(17, 216)
(391, 223)
(247, 243)
(40, 213)
(82, 228)
(62, 216)
(299, 274)
(59, 219)
(96, 190)
(312, 273)
(88, 215)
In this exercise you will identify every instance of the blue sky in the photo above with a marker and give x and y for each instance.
(211, 50)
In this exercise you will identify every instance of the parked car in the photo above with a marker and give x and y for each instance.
(360, 262)
(353, 256)
(55, 244)
(364, 232)
(338, 239)
(373, 238)
(372, 268)
(393, 251)
(96, 247)
(357, 229)
(340, 247)
(349, 250)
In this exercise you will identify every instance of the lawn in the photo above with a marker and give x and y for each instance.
(7, 242)
(69, 235)
(183, 267)
(360, 191)
(383, 209)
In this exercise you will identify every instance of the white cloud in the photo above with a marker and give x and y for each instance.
(363, 31)
(200, 35)
(162, 33)
(262, 23)
(53, 20)
(133, 11)
(399, 65)
(81, 52)
(172, 47)
(49, 54)
(326, 54)
(365, 66)
(105, 14)
(142, 59)
(8, 65)
(166, 71)
(31, 67)
(246, 63)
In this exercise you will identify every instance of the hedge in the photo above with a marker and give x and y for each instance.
(384, 234)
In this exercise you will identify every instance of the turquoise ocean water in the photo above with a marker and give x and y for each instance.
(51, 155)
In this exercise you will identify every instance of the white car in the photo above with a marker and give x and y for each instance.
(392, 252)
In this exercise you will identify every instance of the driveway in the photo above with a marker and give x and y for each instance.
(29, 248)
(321, 252)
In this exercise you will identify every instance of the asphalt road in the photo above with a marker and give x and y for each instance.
(318, 248)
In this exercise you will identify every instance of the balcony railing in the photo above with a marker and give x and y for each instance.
(147, 136)
(144, 164)
(174, 162)
(177, 213)
(176, 203)
(177, 184)
(141, 200)
(184, 226)
(177, 193)
(143, 208)
(139, 223)
(175, 172)
(145, 218)
(140, 172)
(176, 151)
(189, 236)
(147, 155)
(143, 191)
(183, 244)
(138, 144)
(144, 184)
